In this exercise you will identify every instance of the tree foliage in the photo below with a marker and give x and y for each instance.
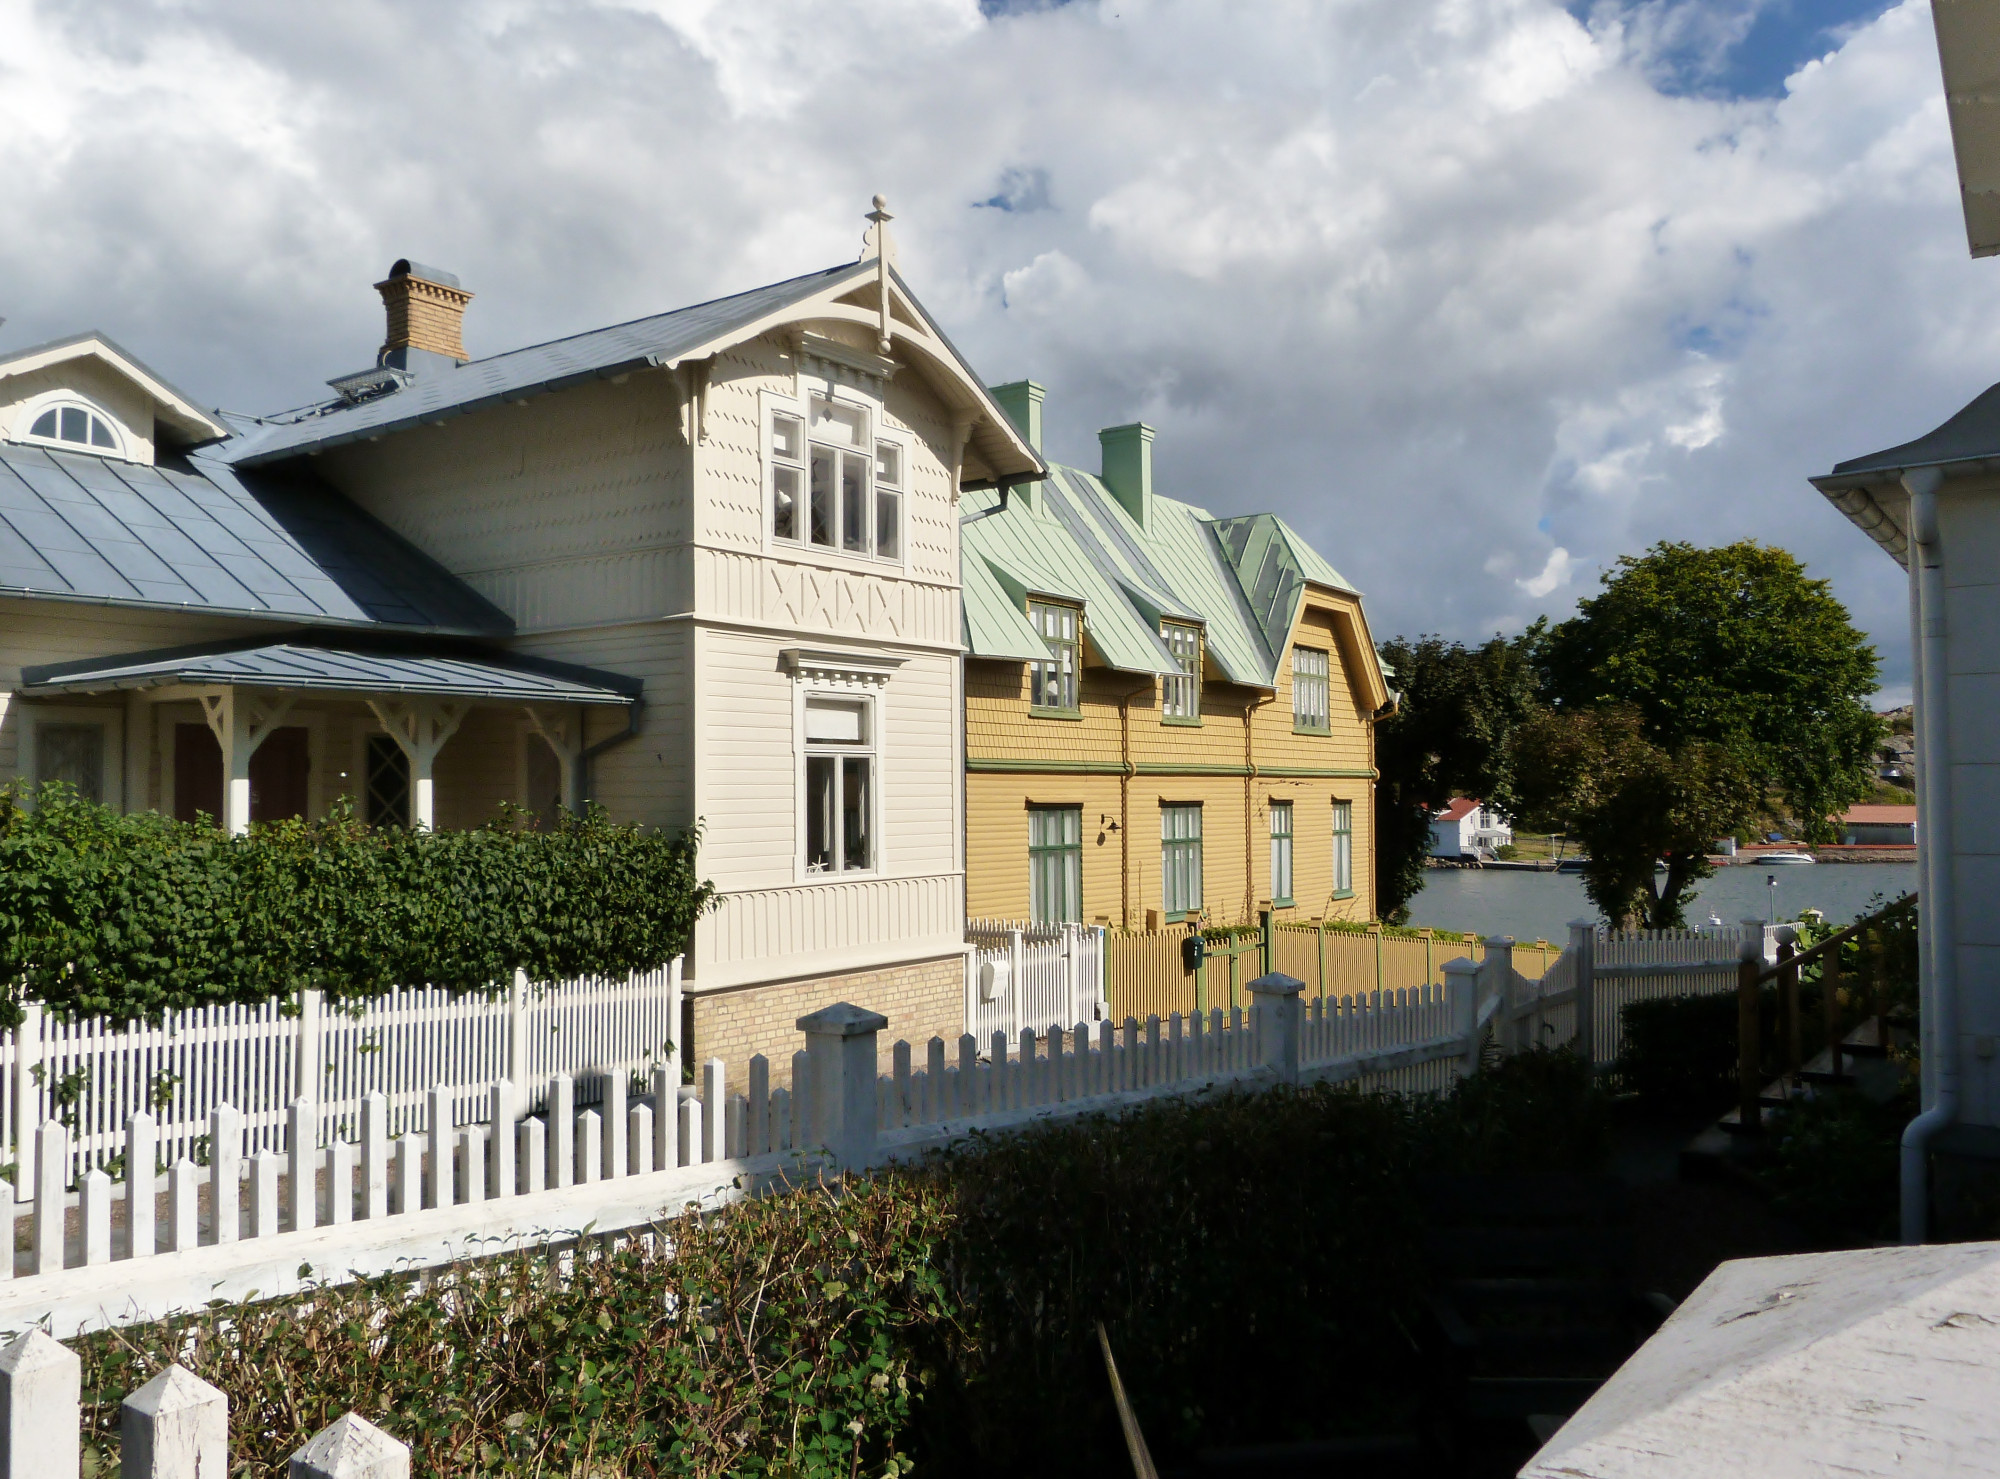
(132, 916)
(1594, 774)
(1733, 646)
(1457, 708)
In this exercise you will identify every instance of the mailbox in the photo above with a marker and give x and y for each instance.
(1194, 950)
(993, 976)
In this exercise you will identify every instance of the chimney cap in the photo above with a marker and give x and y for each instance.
(404, 267)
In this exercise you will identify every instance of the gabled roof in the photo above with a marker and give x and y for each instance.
(307, 668)
(664, 340)
(1885, 815)
(171, 406)
(1457, 809)
(204, 537)
(1243, 579)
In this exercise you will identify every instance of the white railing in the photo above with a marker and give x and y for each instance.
(1022, 977)
(94, 1074)
(363, 1198)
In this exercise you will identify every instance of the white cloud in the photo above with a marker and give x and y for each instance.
(1451, 283)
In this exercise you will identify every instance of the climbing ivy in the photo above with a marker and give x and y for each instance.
(131, 916)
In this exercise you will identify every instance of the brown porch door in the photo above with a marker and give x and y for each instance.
(279, 773)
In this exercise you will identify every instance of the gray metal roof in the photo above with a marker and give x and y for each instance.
(311, 669)
(434, 394)
(207, 538)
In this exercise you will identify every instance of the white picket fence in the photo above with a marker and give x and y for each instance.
(260, 1060)
(1022, 977)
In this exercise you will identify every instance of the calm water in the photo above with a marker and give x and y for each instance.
(1531, 905)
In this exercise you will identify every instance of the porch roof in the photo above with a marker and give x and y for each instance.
(303, 668)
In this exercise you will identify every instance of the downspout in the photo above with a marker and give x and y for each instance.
(1249, 803)
(1126, 770)
(591, 752)
(1937, 977)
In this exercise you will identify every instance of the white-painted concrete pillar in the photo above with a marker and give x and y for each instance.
(562, 1132)
(1275, 999)
(1461, 985)
(41, 1384)
(93, 1206)
(613, 1112)
(174, 1427)
(666, 1095)
(351, 1448)
(51, 1176)
(714, 1143)
(375, 1156)
(500, 1123)
(532, 1142)
(439, 1179)
(225, 1169)
(302, 1161)
(840, 1046)
(184, 1206)
(142, 1157)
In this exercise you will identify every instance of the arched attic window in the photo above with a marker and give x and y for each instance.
(75, 425)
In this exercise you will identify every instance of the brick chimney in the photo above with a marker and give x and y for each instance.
(426, 317)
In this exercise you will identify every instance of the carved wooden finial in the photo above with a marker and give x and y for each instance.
(877, 243)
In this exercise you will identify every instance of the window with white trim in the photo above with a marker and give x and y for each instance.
(75, 426)
(1281, 852)
(840, 784)
(1180, 695)
(1310, 671)
(835, 484)
(1180, 860)
(1343, 847)
(1052, 683)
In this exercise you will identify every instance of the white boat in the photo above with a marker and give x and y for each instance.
(1781, 859)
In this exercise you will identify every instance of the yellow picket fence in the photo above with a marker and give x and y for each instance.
(1143, 974)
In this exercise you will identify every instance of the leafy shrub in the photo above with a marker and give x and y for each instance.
(1244, 1252)
(133, 916)
(1834, 1164)
(1681, 1051)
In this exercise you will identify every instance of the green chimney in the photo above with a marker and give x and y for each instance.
(1022, 401)
(1128, 467)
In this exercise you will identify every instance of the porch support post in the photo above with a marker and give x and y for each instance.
(420, 727)
(241, 720)
(562, 728)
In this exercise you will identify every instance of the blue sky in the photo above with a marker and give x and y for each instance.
(1733, 48)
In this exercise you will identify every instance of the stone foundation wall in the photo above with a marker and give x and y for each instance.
(922, 999)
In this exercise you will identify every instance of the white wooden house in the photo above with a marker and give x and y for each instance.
(699, 567)
(1468, 828)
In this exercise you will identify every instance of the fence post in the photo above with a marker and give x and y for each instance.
(27, 1092)
(1748, 1057)
(1319, 930)
(41, 1386)
(1788, 1000)
(302, 1161)
(308, 1063)
(503, 1173)
(1583, 950)
(175, 1425)
(674, 1023)
(1498, 968)
(517, 1039)
(1014, 967)
(1275, 999)
(350, 1448)
(1264, 944)
(51, 1172)
(840, 1046)
(1376, 931)
(1461, 984)
(142, 1155)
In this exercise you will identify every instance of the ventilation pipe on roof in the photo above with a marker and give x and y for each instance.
(1937, 956)
(1128, 468)
(426, 308)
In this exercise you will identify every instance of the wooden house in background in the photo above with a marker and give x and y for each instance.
(1169, 716)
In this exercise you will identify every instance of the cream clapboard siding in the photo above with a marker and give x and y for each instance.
(89, 380)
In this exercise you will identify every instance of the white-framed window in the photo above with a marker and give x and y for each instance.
(1180, 859)
(1052, 682)
(1055, 864)
(1180, 695)
(834, 483)
(1281, 852)
(840, 774)
(1310, 670)
(75, 425)
(1343, 847)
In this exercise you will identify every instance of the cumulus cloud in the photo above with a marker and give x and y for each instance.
(1473, 291)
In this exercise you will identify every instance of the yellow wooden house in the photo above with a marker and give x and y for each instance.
(1169, 716)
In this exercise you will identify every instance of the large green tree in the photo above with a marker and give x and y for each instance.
(1456, 710)
(1736, 667)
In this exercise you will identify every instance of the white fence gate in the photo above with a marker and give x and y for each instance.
(1032, 977)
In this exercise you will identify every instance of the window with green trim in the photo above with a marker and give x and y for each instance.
(1281, 852)
(1052, 683)
(1343, 847)
(1180, 695)
(1180, 860)
(1310, 670)
(1055, 864)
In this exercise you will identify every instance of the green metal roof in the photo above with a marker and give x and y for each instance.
(1242, 578)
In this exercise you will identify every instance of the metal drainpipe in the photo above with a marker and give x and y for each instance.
(1938, 977)
(591, 752)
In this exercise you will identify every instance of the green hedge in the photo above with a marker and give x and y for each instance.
(1244, 1252)
(131, 916)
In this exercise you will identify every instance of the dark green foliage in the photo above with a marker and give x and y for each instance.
(1242, 1251)
(1834, 1163)
(132, 916)
(1456, 710)
(1680, 1052)
(1734, 647)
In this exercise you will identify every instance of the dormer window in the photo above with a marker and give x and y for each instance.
(76, 426)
